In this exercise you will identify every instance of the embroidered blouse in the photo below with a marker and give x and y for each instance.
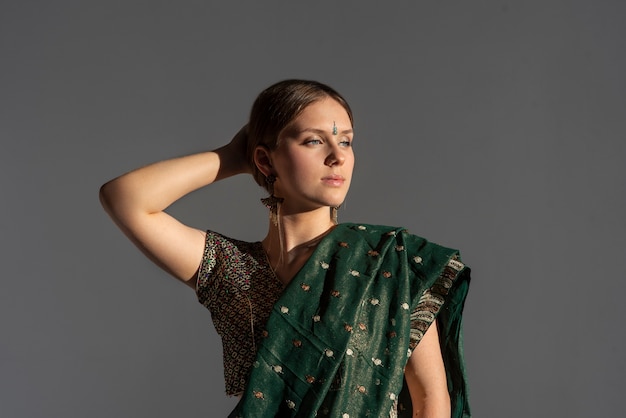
(238, 286)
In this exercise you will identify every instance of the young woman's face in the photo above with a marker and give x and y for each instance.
(314, 161)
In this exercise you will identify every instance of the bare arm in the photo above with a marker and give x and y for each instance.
(426, 378)
(136, 202)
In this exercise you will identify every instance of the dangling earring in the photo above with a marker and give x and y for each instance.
(271, 202)
(333, 214)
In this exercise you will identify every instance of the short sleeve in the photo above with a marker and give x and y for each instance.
(237, 286)
(213, 250)
(442, 292)
(226, 262)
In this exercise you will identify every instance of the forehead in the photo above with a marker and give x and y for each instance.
(322, 114)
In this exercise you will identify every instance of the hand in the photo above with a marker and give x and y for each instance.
(237, 150)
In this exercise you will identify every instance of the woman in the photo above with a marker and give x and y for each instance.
(319, 318)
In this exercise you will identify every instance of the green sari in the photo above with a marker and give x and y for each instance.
(339, 337)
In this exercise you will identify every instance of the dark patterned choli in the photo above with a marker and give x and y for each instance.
(238, 286)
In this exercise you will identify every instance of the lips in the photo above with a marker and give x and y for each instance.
(334, 180)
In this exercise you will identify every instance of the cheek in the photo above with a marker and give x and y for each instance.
(301, 165)
(296, 171)
(350, 163)
(284, 164)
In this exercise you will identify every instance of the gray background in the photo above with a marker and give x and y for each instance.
(495, 127)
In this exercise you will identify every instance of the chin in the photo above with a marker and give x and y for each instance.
(330, 201)
(335, 204)
(336, 199)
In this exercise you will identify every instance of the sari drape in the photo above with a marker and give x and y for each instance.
(338, 338)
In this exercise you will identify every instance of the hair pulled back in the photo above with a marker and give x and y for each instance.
(276, 107)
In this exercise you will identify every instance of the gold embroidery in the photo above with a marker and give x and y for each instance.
(431, 301)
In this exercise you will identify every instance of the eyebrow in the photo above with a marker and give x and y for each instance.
(322, 132)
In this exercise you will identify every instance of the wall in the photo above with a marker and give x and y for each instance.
(496, 127)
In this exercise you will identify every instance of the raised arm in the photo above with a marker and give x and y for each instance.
(136, 201)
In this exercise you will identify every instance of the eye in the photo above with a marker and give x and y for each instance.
(345, 143)
(313, 141)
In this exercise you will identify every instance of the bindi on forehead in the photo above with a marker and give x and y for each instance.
(334, 131)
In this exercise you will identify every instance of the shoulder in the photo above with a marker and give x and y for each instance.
(216, 242)
(420, 249)
(397, 233)
(229, 259)
(226, 252)
(363, 231)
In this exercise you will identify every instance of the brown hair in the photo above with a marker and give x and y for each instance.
(276, 107)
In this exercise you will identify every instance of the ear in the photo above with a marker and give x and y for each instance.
(263, 160)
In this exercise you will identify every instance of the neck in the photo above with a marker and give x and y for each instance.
(299, 234)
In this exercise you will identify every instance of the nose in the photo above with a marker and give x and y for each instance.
(335, 157)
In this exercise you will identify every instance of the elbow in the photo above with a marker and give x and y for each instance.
(106, 196)
(119, 203)
(436, 404)
(431, 407)
(113, 199)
